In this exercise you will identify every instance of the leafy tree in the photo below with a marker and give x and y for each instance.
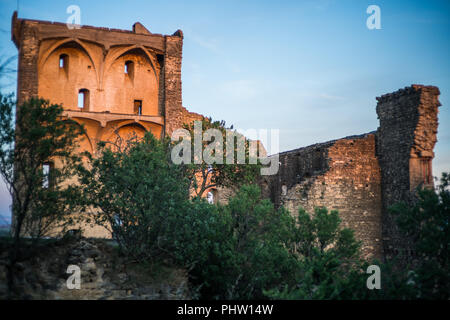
(203, 176)
(40, 136)
(137, 194)
(427, 224)
(135, 191)
(330, 266)
(142, 198)
(247, 252)
(328, 259)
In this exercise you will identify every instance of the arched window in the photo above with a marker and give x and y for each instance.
(129, 68)
(138, 107)
(83, 99)
(63, 61)
(46, 175)
(63, 66)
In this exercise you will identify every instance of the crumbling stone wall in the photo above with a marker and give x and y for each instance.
(180, 116)
(27, 84)
(172, 76)
(341, 175)
(362, 176)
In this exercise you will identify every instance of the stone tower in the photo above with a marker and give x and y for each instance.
(113, 82)
(405, 142)
(107, 79)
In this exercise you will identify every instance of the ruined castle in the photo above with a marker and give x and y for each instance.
(362, 176)
(117, 81)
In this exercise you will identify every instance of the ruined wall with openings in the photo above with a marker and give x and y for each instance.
(341, 175)
(362, 176)
(116, 83)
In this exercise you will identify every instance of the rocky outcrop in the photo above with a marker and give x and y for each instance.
(42, 273)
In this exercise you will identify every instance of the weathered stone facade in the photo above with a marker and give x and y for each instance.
(114, 82)
(406, 139)
(362, 176)
(113, 68)
(130, 81)
(341, 175)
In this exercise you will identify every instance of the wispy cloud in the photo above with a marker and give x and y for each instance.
(209, 44)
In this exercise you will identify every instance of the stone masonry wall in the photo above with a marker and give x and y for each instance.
(362, 176)
(341, 175)
(27, 84)
(406, 138)
(174, 111)
(175, 114)
(95, 60)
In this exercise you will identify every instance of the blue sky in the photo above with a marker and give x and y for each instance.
(309, 68)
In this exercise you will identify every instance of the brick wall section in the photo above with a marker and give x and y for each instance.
(27, 80)
(174, 113)
(161, 87)
(180, 116)
(425, 133)
(172, 77)
(406, 138)
(341, 175)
